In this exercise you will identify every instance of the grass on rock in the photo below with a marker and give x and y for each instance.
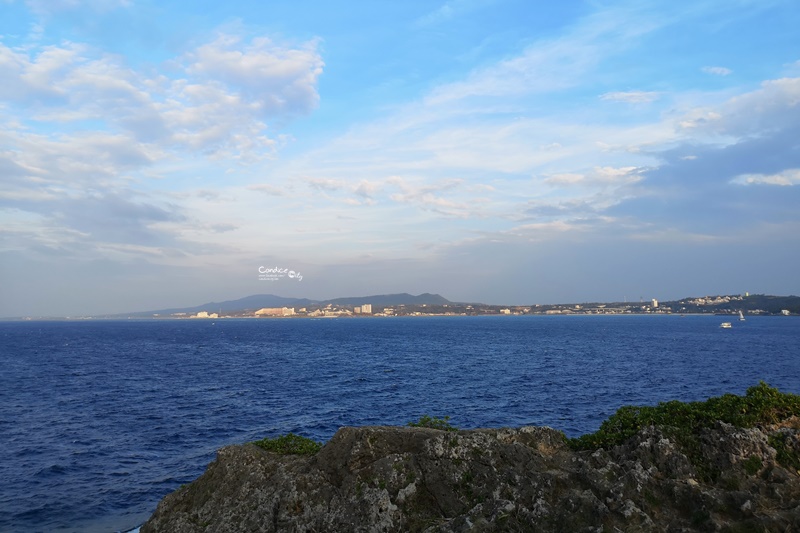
(434, 422)
(761, 405)
(289, 444)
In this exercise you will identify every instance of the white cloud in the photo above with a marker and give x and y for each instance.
(551, 147)
(275, 78)
(32, 79)
(673, 235)
(434, 197)
(717, 71)
(538, 70)
(72, 161)
(545, 230)
(598, 176)
(367, 189)
(451, 9)
(270, 190)
(326, 184)
(785, 178)
(554, 64)
(441, 160)
(566, 178)
(219, 109)
(84, 131)
(528, 150)
(632, 97)
(773, 107)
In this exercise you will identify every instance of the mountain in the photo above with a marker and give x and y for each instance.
(257, 301)
(392, 299)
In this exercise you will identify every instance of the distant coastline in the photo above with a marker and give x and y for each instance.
(400, 305)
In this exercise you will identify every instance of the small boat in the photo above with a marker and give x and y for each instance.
(726, 325)
(741, 316)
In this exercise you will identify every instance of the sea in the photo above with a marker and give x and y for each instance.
(101, 419)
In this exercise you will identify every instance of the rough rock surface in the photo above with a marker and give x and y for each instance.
(526, 479)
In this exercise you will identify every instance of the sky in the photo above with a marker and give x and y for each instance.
(159, 154)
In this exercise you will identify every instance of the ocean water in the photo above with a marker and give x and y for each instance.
(100, 419)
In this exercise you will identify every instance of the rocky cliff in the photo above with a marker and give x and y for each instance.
(526, 479)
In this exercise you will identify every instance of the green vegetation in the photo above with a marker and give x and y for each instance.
(752, 465)
(290, 444)
(772, 304)
(682, 421)
(434, 422)
(761, 405)
(785, 455)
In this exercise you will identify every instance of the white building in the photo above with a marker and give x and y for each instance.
(275, 311)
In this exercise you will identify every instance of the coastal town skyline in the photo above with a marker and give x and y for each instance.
(501, 151)
(427, 304)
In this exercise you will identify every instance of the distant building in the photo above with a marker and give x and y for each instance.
(275, 311)
(785, 312)
(206, 314)
(357, 310)
(655, 304)
(366, 309)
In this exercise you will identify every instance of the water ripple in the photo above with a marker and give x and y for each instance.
(102, 419)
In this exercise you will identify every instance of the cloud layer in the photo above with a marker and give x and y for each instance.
(86, 136)
(586, 150)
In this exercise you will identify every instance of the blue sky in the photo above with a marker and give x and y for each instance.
(156, 154)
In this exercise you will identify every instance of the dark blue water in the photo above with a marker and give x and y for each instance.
(99, 420)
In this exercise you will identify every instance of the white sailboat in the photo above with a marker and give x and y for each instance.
(741, 316)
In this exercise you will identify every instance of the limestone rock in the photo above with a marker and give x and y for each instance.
(394, 479)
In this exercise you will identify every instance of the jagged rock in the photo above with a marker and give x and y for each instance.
(374, 479)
